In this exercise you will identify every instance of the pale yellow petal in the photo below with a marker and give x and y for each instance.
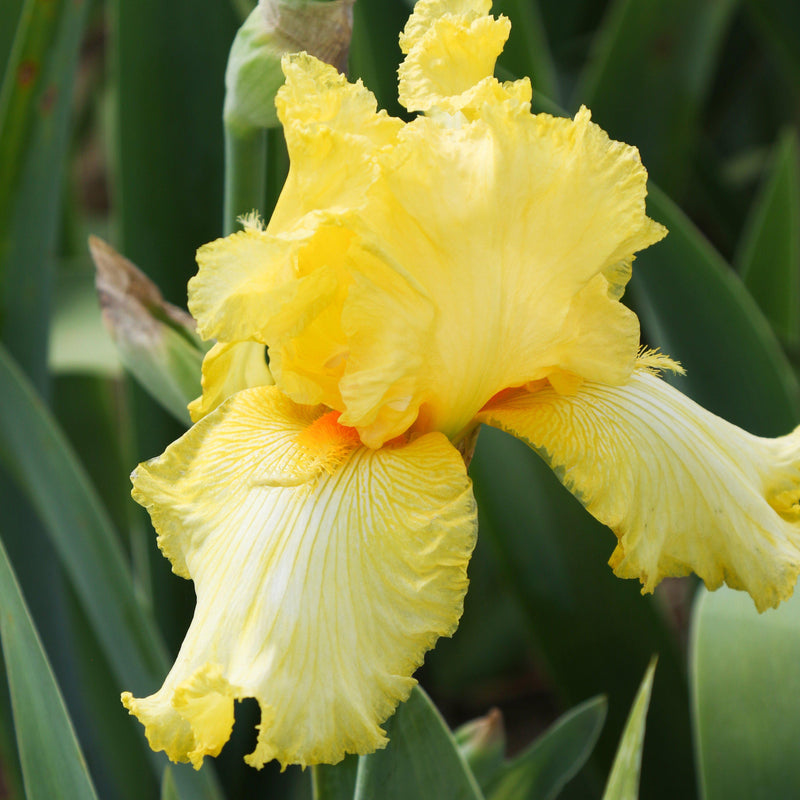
(426, 12)
(683, 490)
(323, 571)
(384, 381)
(413, 271)
(236, 284)
(519, 230)
(450, 47)
(334, 133)
(227, 369)
(597, 324)
(285, 292)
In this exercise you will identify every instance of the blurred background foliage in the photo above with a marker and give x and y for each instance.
(110, 123)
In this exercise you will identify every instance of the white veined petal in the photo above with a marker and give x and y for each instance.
(323, 571)
(683, 490)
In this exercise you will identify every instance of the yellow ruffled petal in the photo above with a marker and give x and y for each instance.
(227, 369)
(522, 294)
(323, 571)
(479, 250)
(284, 291)
(334, 134)
(450, 46)
(239, 282)
(683, 490)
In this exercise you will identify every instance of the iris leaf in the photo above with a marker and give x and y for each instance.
(169, 60)
(51, 758)
(169, 791)
(337, 782)
(527, 51)
(780, 20)
(623, 782)
(35, 109)
(651, 69)
(374, 51)
(9, 17)
(553, 555)
(9, 759)
(38, 457)
(745, 696)
(734, 364)
(768, 258)
(43, 464)
(542, 770)
(421, 760)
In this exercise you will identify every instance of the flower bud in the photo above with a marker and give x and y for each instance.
(322, 28)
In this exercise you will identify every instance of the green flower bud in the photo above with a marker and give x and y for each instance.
(322, 28)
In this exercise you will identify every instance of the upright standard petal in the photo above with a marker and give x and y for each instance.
(554, 212)
(334, 134)
(323, 571)
(451, 46)
(367, 255)
(683, 490)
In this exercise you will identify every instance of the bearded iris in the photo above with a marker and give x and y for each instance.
(417, 280)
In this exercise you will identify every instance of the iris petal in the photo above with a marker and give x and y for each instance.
(450, 48)
(683, 490)
(403, 258)
(323, 571)
(334, 133)
(227, 369)
(519, 230)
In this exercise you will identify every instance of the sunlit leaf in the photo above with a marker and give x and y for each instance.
(79, 343)
(421, 760)
(746, 696)
(51, 758)
(623, 782)
(544, 768)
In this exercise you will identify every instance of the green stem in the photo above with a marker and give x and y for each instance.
(245, 174)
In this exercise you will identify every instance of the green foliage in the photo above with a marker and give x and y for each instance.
(768, 257)
(482, 744)
(35, 115)
(544, 768)
(623, 782)
(51, 757)
(335, 782)
(719, 341)
(43, 464)
(156, 341)
(746, 696)
(663, 49)
(420, 761)
(553, 556)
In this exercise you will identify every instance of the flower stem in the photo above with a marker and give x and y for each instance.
(245, 173)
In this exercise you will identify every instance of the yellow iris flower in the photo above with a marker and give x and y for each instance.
(416, 280)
